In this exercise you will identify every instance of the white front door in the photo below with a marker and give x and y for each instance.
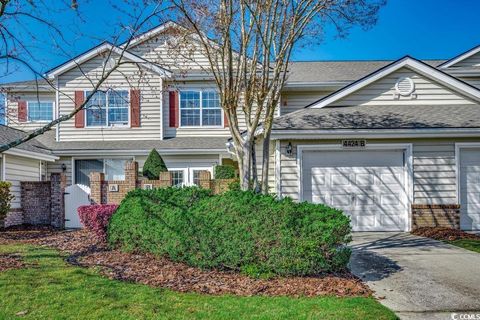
(470, 189)
(368, 185)
(75, 196)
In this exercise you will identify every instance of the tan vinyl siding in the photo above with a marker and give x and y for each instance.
(433, 164)
(296, 100)
(271, 163)
(472, 61)
(382, 92)
(56, 167)
(19, 169)
(157, 49)
(126, 77)
(12, 107)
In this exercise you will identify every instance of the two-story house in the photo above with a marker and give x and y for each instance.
(382, 140)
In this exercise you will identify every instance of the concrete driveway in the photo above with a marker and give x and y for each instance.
(418, 278)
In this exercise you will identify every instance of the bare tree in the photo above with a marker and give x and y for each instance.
(249, 44)
(15, 53)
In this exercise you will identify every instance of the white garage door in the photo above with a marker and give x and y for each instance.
(470, 189)
(367, 185)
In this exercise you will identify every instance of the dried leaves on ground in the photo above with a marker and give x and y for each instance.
(10, 261)
(441, 233)
(85, 250)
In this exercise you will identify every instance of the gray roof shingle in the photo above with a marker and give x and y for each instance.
(197, 143)
(337, 71)
(8, 135)
(381, 117)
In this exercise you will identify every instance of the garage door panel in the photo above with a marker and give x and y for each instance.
(365, 185)
(470, 189)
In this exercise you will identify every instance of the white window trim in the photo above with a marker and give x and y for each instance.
(407, 147)
(222, 117)
(106, 107)
(40, 101)
(188, 173)
(458, 149)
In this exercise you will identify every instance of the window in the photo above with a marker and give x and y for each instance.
(114, 169)
(196, 177)
(108, 108)
(177, 178)
(40, 111)
(200, 108)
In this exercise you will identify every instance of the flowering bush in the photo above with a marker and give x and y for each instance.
(95, 218)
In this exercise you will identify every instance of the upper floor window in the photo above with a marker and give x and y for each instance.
(40, 111)
(200, 108)
(108, 108)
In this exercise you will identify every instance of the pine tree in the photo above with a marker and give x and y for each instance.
(154, 165)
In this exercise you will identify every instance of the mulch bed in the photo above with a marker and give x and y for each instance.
(439, 233)
(86, 251)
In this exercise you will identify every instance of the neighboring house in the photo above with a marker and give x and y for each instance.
(389, 142)
(27, 162)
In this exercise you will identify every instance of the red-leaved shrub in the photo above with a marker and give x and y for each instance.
(95, 218)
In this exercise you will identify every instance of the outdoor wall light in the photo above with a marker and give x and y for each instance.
(64, 167)
(289, 149)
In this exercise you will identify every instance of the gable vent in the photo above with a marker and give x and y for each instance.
(405, 86)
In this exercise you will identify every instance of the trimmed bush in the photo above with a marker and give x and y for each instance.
(5, 199)
(154, 165)
(95, 218)
(224, 172)
(242, 231)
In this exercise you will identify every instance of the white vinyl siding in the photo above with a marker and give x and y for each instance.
(382, 92)
(472, 61)
(474, 81)
(123, 79)
(56, 167)
(434, 173)
(12, 108)
(19, 169)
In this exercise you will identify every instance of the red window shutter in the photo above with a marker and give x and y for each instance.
(22, 111)
(173, 108)
(135, 108)
(80, 115)
(225, 120)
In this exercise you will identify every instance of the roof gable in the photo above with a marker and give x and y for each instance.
(470, 58)
(424, 71)
(104, 47)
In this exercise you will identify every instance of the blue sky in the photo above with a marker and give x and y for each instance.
(425, 29)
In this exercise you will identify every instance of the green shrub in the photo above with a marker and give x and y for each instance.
(224, 172)
(5, 198)
(154, 165)
(242, 231)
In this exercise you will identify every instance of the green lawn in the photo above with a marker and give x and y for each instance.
(52, 289)
(469, 244)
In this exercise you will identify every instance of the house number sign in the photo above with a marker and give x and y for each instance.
(354, 143)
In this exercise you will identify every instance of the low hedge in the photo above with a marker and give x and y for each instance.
(242, 231)
(95, 218)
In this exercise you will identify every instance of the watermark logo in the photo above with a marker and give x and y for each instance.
(465, 316)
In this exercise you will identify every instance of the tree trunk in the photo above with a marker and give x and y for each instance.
(265, 163)
(244, 156)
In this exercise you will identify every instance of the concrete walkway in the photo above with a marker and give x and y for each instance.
(418, 278)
